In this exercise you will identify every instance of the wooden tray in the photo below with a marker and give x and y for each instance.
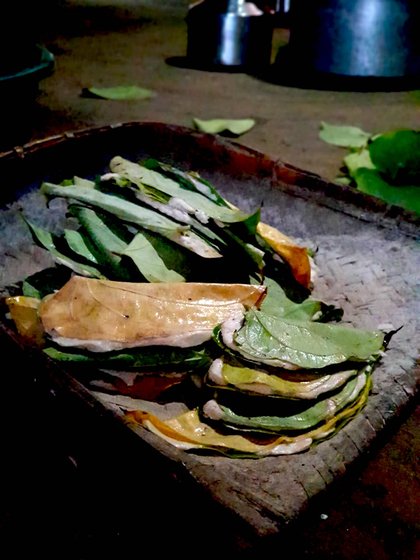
(368, 260)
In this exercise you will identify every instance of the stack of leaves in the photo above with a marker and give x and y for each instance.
(155, 223)
(273, 376)
(386, 166)
(281, 381)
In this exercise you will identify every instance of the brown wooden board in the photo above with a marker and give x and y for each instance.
(368, 263)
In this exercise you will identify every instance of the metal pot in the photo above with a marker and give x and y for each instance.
(229, 33)
(367, 38)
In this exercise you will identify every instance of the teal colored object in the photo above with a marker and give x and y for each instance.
(20, 74)
(38, 64)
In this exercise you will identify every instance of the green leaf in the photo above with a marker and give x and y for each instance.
(119, 93)
(355, 160)
(107, 239)
(171, 206)
(343, 180)
(153, 357)
(198, 203)
(276, 303)
(370, 182)
(304, 420)
(397, 156)
(344, 136)
(149, 262)
(134, 213)
(187, 180)
(219, 126)
(305, 344)
(82, 182)
(256, 380)
(79, 245)
(45, 239)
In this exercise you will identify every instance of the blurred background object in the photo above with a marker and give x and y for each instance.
(24, 62)
(359, 38)
(229, 33)
(281, 10)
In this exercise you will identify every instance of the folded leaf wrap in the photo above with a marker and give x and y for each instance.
(102, 315)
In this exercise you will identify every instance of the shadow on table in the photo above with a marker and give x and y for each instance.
(284, 72)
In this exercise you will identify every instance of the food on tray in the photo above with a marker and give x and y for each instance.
(102, 315)
(162, 290)
(188, 431)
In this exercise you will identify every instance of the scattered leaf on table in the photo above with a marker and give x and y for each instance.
(385, 165)
(119, 93)
(218, 126)
(343, 136)
(355, 160)
(343, 180)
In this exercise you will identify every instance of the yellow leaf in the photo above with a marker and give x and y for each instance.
(297, 257)
(186, 431)
(109, 315)
(24, 313)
